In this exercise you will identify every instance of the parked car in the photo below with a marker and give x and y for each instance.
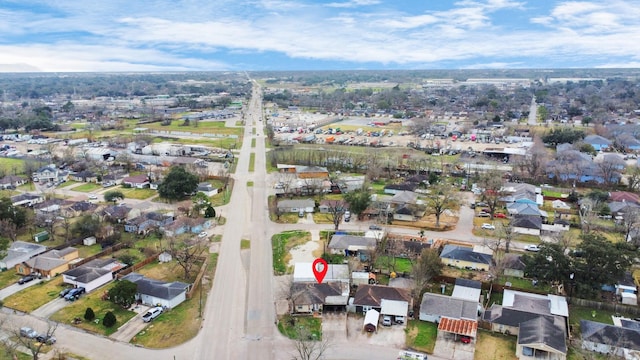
(64, 292)
(534, 248)
(74, 294)
(482, 203)
(374, 227)
(93, 197)
(347, 216)
(386, 320)
(26, 279)
(152, 314)
(484, 214)
(500, 215)
(28, 332)
(46, 339)
(399, 319)
(203, 235)
(487, 226)
(465, 339)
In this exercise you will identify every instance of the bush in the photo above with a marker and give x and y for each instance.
(89, 315)
(109, 319)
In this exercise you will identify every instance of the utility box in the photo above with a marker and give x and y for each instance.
(41, 236)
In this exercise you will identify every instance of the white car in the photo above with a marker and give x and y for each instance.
(488, 226)
(534, 248)
(203, 235)
(93, 197)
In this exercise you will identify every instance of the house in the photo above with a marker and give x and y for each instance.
(351, 244)
(207, 189)
(199, 225)
(624, 197)
(296, 205)
(397, 310)
(543, 337)
(520, 191)
(620, 341)
(465, 258)
(117, 213)
(49, 207)
(85, 176)
(79, 208)
(527, 224)
(348, 184)
(27, 199)
(49, 173)
(12, 182)
(311, 297)
(559, 204)
(330, 206)
(158, 293)
(144, 223)
(525, 209)
(598, 142)
(408, 212)
(369, 297)
(404, 198)
(436, 306)
(303, 272)
(20, 251)
(137, 181)
(50, 263)
(513, 265)
(400, 188)
(93, 274)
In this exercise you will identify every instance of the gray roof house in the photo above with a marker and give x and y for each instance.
(435, 306)
(309, 297)
(339, 244)
(307, 205)
(93, 274)
(619, 341)
(155, 292)
(542, 337)
(464, 257)
(20, 251)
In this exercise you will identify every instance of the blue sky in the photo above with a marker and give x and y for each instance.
(183, 35)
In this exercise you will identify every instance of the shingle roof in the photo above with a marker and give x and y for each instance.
(342, 242)
(372, 295)
(544, 330)
(448, 306)
(464, 254)
(313, 293)
(600, 333)
(156, 288)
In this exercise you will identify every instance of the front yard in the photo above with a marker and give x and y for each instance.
(493, 346)
(139, 194)
(421, 335)
(88, 187)
(35, 296)
(293, 326)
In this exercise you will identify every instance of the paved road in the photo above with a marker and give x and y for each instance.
(533, 112)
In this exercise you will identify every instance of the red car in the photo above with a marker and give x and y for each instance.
(500, 215)
(465, 339)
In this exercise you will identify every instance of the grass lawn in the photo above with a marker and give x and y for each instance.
(282, 243)
(27, 187)
(223, 197)
(492, 346)
(320, 218)
(216, 238)
(525, 284)
(139, 194)
(421, 335)
(213, 127)
(253, 143)
(88, 187)
(8, 277)
(169, 271)
(249, 183)
(577, 313)
(292, 327)
(401, 264)
(100, 308)
(245, 244)
(86, 251)
(35, 296)
(69, 183)
(12, 166)
(252, 162)
(161, 333)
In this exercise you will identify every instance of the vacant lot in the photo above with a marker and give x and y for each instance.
(12, 166)
(282, 243)
(491, 346)
(421, 335)
(139, 194)
(290, 326)
(88, 187)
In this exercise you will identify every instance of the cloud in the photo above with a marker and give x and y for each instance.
(353, 3)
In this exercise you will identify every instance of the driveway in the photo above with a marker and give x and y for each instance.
(132, 327)
(12, 289)
(392, 336)
(334, 326)
(447, 348)
(50, 308)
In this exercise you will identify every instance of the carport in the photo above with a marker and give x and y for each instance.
(459, 327)
(371, 320)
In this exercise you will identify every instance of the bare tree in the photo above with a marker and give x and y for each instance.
(34, 346)
(187, 251)
(9, 229)
(309, 348)
(425, 268)
(492, 183)
(532, 165)
(507, 232)
(610, 167)
(630, 220)
(336, 209)
(441, 198)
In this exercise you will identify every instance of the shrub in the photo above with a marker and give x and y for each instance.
(89, 315)
(109, 319)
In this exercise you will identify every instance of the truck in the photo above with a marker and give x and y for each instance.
(152, 314)
(329, 139)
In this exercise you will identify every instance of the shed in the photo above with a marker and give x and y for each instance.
(629, 298)
(371, 320)
(91, 240)
(41, 236)
(165, 257)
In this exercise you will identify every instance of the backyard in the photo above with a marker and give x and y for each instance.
(493, 346)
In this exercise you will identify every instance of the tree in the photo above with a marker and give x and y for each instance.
(358, 200)
(441, 198)
(187, 252)
(200, 202)
(308, 347)
(550, 264)
(123, 293)
(109, 319)
(209, 212)
(89, 315)
(336, 209)
(35, 347)
(113, 195)
(426, 267)
(532, 165)
(630, 220)
(17, 215)
(506, 231)
(177, 184)
(492, 183)
(86, 226)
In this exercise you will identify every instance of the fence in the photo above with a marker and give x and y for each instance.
(613, 307)
(137, 266)
(108, 251)
(197, 282)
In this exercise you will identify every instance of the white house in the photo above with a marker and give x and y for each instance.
(159, 293)
(19, 252)
(303, 272)
(93, 274)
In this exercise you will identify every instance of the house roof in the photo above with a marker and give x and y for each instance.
(548, 333)
(85, 274)
(156, 288)
(405, 197)
(352, 242)
(83, 206)
(372, 295)
(310, 169)
(303, 272)
(513, 261)
(541, 304)
(467, 289)
(464, 253)
(525, 208)
(296, 203)
(617, 336)
(137, 179)
(527, 221)
(447, 306)
(310, 293)
(597, 140)
(394, 307)
(459, 326)
(624, 196)
(407, 186)
(119, 211)
(11, 179)
(21, 248)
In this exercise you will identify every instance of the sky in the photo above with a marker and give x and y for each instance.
(259, 35)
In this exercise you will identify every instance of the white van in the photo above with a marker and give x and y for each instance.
(411, 355)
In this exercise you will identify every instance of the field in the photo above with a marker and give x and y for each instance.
(11, 166)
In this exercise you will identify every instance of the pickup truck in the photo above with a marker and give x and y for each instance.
(152, 314)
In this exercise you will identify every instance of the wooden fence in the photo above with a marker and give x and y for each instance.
(137, 266)
(197, 282)
(108, 251)
(613, 307)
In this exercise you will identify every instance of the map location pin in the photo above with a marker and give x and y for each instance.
(320, 268)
